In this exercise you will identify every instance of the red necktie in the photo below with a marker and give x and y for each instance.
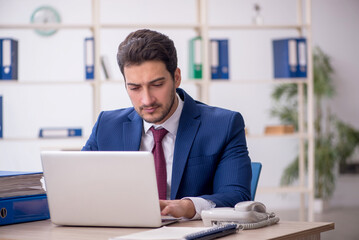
(160, 162)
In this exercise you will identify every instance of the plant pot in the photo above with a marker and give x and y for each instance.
(320, 205)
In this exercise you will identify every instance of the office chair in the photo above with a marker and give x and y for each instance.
(256, 171)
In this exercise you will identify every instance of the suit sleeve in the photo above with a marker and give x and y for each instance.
(232, 179)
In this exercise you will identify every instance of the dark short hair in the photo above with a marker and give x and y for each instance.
(147, 45)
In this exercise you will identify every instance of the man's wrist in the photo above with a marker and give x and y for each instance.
(200, 204)
(190, 208)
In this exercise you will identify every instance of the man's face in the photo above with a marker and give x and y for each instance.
(152, 90)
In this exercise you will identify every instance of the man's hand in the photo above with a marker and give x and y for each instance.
(178, 208)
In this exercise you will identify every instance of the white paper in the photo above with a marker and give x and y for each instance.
(163, 233)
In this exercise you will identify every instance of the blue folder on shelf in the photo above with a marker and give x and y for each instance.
(60, 132)
(89, 58)
(8, 58)
(302, 57)
(214, 59)
(219, 59)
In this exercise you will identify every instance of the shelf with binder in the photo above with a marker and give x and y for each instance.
(305, 102)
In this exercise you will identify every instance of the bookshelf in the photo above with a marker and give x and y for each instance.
(204, 88)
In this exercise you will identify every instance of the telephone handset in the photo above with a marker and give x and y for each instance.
(248, 215)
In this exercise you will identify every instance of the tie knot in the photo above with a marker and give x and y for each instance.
(158, 134)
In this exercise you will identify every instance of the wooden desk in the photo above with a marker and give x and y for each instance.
(47, 231)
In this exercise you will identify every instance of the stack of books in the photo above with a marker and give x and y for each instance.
(22, 197)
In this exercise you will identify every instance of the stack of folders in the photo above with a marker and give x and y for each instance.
(290, 58)
(218, 57)
(22, 198)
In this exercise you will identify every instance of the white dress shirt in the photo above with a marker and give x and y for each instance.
(168, 144)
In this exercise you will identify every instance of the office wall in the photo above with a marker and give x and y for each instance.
(334, 29)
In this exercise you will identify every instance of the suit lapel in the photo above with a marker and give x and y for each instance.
(186, 133)
(132, 132)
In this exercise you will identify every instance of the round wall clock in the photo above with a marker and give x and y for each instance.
(45, 15)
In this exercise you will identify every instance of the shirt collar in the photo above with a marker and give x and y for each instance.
(171, 124)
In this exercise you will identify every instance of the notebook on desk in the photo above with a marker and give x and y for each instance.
(102, 188)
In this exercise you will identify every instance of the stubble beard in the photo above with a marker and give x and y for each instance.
(163, 114)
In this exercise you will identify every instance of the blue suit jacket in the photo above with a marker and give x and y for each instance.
(210, 155)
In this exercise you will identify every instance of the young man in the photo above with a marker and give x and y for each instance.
(204, 148)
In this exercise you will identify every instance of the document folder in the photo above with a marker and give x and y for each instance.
(302, 57)
(23, 209)
(8, 58)
(215, 60)
(223, 58)
(219, 59)
(195, 58)
(60, 132)
(89, 58)
(290, 60)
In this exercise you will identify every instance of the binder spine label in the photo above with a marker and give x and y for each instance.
(302, 58)
(6, 55)
(214, 59)
(292, 55)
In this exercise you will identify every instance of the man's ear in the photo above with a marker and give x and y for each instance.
(177, 77)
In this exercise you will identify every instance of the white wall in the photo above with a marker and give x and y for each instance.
(29, 107)
(336, 31)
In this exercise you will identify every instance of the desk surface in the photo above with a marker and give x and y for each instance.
(46, 230)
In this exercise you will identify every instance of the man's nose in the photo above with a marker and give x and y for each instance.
(147, 98)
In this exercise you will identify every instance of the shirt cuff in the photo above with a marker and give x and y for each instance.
(200, 204)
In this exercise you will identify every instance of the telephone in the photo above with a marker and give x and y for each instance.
(248, 215)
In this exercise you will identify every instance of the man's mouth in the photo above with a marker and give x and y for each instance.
(150, 109)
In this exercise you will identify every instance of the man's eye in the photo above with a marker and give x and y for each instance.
(133, 88)
(158, 84)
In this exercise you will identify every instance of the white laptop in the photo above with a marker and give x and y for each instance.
(94, 188)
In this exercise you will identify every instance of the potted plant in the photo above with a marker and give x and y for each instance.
(335, 141)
